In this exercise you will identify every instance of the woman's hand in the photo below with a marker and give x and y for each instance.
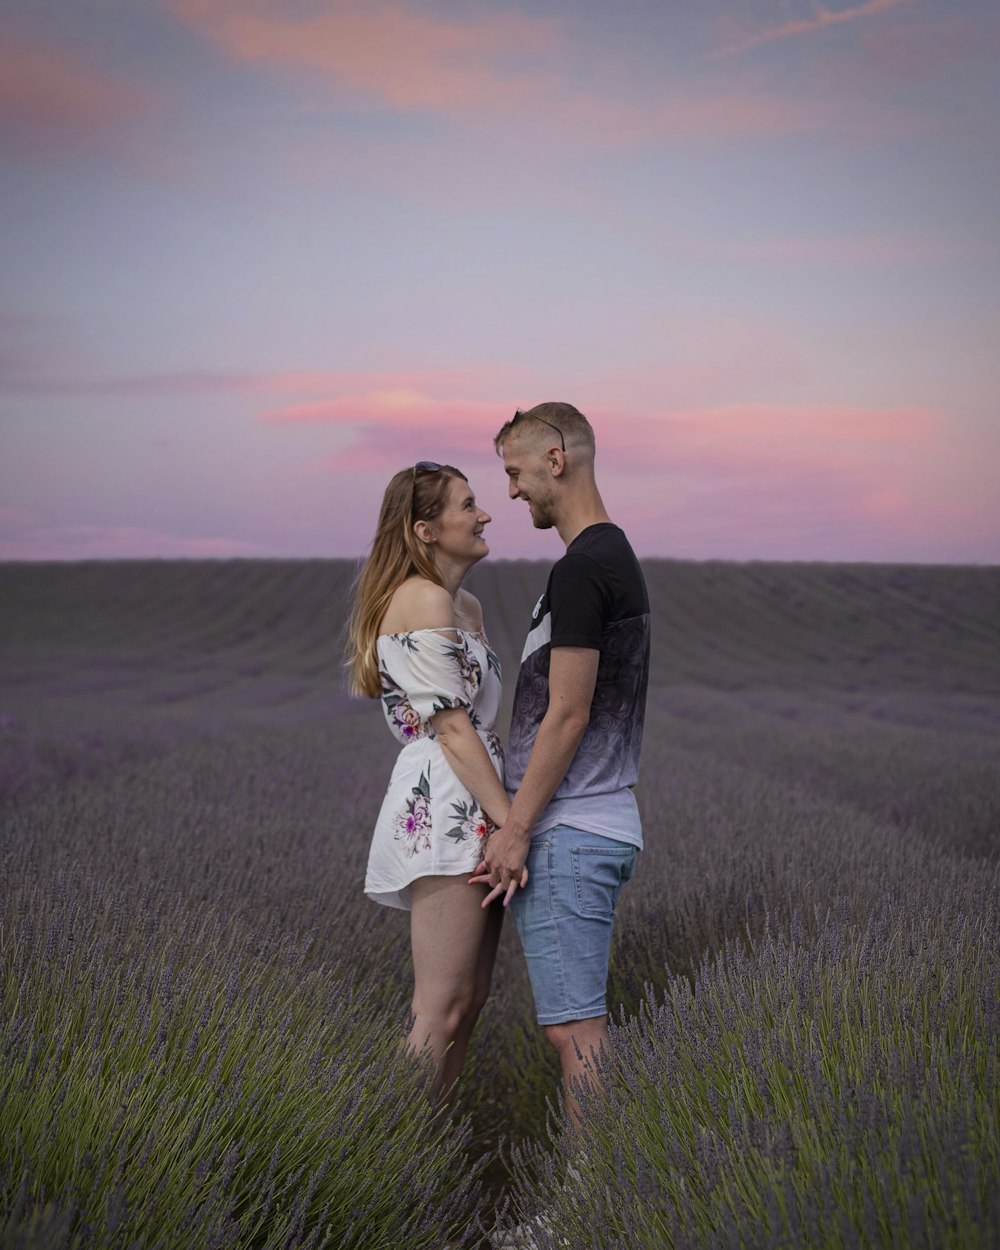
(502, 866)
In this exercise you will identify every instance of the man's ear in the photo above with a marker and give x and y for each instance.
(557, 461)
(423, 531)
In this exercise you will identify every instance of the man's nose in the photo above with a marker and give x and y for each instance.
(512, 488)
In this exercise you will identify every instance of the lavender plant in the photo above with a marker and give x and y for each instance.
(174, 1080)
(840, 1090)
(200, 1014)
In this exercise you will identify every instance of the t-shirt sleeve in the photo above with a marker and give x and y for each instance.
(579, 601)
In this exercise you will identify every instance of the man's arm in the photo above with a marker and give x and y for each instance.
(572, 678)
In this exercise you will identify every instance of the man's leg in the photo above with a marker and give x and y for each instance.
(578, 1043)
(564, 918)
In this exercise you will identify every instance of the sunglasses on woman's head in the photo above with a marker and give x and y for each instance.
(422, 466)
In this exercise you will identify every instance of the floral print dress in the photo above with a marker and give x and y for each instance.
(430, 824)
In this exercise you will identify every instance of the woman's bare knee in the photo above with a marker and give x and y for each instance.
(444, 1013)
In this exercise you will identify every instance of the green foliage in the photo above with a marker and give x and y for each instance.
(844, 1092)
(178, 1090)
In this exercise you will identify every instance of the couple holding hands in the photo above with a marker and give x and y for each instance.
(554, 832)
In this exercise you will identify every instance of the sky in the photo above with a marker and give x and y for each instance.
(257, 255)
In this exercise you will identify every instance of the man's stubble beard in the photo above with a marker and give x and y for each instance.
(541, 514)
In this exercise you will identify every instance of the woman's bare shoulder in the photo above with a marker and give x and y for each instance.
(418, 604)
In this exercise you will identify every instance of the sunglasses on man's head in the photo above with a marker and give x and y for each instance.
(519, 414)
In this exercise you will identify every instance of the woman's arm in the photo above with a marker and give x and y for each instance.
(466, 752)
(420, 604)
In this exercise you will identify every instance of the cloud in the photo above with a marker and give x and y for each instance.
(739, 481)
(27, 376)
(742, 481)
(723, 448)
(680, 361)
(758, 481)
(821, 18)
(42, 356)
(401, 424)
(389, 52)
(23, 538)
(52, 99)
(732, 445)
(484, 68)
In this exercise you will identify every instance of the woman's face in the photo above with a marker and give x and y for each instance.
(458, 530)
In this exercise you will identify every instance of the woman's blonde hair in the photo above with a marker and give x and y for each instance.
(417, 494)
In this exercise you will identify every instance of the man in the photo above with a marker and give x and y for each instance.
(575, 737)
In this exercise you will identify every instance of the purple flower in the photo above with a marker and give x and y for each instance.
(413, 825)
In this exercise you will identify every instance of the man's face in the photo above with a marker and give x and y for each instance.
(528, 478)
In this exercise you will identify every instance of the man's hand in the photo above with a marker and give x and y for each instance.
(502, 866)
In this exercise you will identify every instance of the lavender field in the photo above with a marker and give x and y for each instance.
(201, 1013)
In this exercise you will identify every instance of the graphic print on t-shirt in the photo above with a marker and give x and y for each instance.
(541, 627)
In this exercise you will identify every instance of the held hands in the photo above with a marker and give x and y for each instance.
(502, 867)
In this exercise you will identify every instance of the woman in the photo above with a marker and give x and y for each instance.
(417, 642)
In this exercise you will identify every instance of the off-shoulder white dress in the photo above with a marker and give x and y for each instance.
(429, 823)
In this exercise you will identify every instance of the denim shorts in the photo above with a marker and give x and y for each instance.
(564, 916)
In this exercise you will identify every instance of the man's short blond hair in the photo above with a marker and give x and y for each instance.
(564, 419)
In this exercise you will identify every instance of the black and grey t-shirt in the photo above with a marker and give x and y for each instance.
(596, 597)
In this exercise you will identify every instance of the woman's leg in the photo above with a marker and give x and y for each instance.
(454, 944)
(455, 1058)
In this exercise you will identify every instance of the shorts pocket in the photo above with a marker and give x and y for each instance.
(598, 876)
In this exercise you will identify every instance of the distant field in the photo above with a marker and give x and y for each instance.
(807, 963)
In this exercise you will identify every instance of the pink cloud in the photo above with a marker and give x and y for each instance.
(401, 423)
(885, 503)
(484, 67)
(799, 483)
(386, 51)
(738, 39)
(397, 407)
(40, 356)
(700, 361)
(31, 541)
(50, 97)
(760, 465)
(771, 427)
(747, 481)
(804, 507)
(52, 377)
(729, 451)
